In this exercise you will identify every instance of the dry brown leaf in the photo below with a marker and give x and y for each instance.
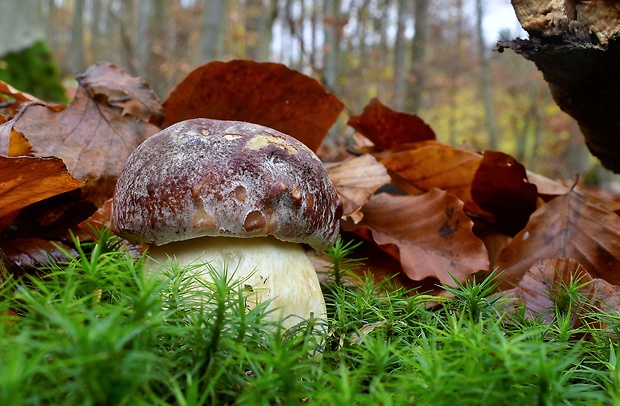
(28, 255)
(387, 128)
(26, 180)
(93, 136)
(429, 234)
(264, 93)
(542, 291)
(132, 94)
(19, 99)
(574, 226)
(12, 143)
(5, 88)
(357, 180)
(543, 281)
(547, 188)
(435, 165)
(500, 187)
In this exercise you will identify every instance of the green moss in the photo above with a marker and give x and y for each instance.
(33, 70)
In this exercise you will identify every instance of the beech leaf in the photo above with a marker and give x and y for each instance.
(264, 93)
(435, 165)
(500, 187)
(93, 136)
(388, 128)
(543, 286)
(429, 234)
(26, 180)
(574, 226)
(357, 180)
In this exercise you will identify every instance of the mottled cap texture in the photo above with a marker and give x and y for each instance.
(205, 177)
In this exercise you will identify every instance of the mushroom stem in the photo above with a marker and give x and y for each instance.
(270, 269)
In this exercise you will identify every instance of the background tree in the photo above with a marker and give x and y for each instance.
(359, 48)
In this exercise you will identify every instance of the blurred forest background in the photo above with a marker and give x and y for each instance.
(429, 57)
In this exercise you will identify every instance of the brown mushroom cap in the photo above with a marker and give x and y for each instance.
(204, 177)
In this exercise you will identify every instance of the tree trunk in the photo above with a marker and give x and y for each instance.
(76, 51)
(142, 34)
(332, 44)
(214, 23)
(398, 91)
(573, 45)
(418, 48)
(485, 80)
(27, 62)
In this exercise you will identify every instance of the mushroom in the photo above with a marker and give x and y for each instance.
(236, 195)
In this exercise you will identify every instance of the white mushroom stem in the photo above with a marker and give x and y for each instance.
(271, 270)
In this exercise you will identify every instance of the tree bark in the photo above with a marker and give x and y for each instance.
(398, 91)
(332, 44)
(76, 51)
(418, 48)
(214, 23)
(573, 44)
(485, 80)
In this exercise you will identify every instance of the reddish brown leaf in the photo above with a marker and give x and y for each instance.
(430, 235)
(26, 180)
(388, 128)
(435, 165)
(356, 180)
(574, 226)
(92, 136)
(376, 263)
(264, 93)
(500, 187)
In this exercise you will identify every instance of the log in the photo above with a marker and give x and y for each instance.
(576, 46)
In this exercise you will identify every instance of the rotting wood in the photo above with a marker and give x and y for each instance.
(576, 45)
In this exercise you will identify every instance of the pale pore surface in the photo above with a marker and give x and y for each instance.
(276, 270)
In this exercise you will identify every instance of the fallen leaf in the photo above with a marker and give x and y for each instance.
(357, 180)
(20, 98)
(547, 188)
(387, 128)
(500, 187)
(13, 143)
(574, 226)
(264, 93)
(100, 219)
(5, 88)
(435, 165)
(544, 281)
(92, 136)
(132, 94)
(26, 180)
(429, 234)
(28, 255)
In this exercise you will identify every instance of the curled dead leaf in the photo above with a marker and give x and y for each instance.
(543, 292)
(357, 180)
(429, 234)
(435, 165)
(28, 255)
(26, 180)
(265, 93)
(500, 187)
(574, 226)
(93, 135)
(387, 128)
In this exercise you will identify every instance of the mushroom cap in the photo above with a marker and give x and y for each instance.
(204, 177)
